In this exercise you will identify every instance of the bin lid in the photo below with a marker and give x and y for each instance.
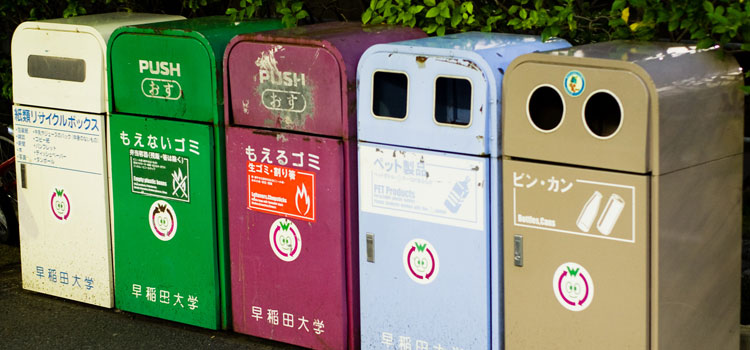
(173, 69)
(626, 106)
(61, 63)
(439, 93)
(301, 79)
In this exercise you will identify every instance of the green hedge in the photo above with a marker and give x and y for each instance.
(707, 23)
(580, 22)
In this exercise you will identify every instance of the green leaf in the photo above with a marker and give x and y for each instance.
(746, 89)
(700, 33)
(433, 12)
(388, 11)
(441, 31)
(297, 6)
(431, 28)
(456, 19)
(469, 6)
(708, 6)
(546, 33)
(302, 14)
(522, 13)
(719, 11)
(430, 3)
(416, 9)
(445, 12)
(705, 43)
(366, 15)
(554, 31)
(288, 21)
(731, 11)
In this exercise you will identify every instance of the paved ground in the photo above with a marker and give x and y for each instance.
(36, 321)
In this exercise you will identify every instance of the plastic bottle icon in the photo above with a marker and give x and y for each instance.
(611, 213)
(589, 211)
(457, 195)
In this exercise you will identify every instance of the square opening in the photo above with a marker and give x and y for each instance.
(453, 101)
(389, 94)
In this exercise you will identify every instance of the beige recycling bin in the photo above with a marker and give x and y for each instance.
(622, 198)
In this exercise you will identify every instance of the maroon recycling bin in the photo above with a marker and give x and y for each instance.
(292, 180)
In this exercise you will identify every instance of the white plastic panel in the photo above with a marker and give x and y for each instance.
(48, 86)
(63, 204)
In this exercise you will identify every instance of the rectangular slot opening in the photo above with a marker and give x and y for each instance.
(58, 68)
(453, 101)
(389, 94)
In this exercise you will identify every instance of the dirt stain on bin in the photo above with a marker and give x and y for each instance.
(287, 95)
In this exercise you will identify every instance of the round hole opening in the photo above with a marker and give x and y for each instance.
(602, 114)
(545, 108)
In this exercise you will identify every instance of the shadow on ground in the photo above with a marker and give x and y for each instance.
(36, 321)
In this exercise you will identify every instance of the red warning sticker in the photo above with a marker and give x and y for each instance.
(278, 190)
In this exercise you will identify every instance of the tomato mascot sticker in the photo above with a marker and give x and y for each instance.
(285, 239)
(60, 204)
(421, 261)
(163, 220)
(573, 286)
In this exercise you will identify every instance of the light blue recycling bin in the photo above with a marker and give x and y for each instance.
(429, 190)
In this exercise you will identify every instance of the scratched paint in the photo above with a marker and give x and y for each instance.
(288, 95)
(279, 88)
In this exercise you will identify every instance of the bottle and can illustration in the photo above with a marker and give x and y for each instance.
(611, 213)
(608, 218)
(589, 211)
(457, 195)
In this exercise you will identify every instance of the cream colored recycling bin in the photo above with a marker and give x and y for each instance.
(621, 198)
(59, 119)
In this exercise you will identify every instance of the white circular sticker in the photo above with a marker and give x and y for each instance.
(421, 261)
(285, 239)
(163, 220)
(573, 286)
(60, 204)
(574, 83)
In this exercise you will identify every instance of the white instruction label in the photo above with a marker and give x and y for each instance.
(426, 186)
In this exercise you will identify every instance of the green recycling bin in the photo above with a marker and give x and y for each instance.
(167, 160)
